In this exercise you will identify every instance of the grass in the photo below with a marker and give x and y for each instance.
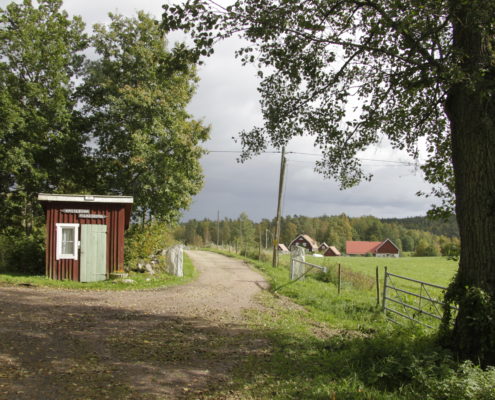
(437, 270)
(141, 280)
(341, 347)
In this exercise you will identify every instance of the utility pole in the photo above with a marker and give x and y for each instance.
(218, 227)
(279, 209)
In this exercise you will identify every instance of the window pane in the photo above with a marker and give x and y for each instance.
(67, 240)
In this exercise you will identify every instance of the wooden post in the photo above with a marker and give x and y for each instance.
(377, 288)
(276, 239)
(339, 281)
(384, 302)
(259, 247)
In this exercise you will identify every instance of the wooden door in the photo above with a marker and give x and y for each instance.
(93, 264)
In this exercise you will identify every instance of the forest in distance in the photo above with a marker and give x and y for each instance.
(419, 236)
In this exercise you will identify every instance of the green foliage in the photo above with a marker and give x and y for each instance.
(480, 307)
(468, 381)
(23, 254)
(114, 125)
(142, 242)
(40, 143)
(425, 249)
(135, 94)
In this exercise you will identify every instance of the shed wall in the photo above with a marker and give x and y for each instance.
(115, 221)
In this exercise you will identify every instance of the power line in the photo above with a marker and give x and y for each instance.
(408, 163)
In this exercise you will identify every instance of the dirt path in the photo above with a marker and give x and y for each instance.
(171, 343)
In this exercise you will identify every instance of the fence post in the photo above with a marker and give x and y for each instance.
(339, 280)
(385, 278)
(377, 288)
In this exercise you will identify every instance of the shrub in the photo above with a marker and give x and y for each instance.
(142, 242)
(22, 254)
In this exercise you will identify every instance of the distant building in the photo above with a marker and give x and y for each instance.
(332, 252)
(379, 249)
(306, 242)
(282, 248)
(323, 247)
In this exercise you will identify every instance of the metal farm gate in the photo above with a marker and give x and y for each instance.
(422, 307)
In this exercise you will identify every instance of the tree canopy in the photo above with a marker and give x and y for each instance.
(136, 93)
(114, 122)
(40, 146)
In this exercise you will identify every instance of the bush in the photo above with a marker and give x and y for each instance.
(467, 382)
(22, 254)
(142, 242)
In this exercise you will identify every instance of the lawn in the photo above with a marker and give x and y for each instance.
(140, 280)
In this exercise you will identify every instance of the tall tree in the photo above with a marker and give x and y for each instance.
(40, 147)
(136, 94)
(352, 71)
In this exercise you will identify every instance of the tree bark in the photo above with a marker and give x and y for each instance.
(471, 111)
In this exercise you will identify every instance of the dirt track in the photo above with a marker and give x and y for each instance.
(169, 343)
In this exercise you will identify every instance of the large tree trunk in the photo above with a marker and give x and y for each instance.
(471, 110)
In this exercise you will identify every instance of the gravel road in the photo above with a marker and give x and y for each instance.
(178, 342)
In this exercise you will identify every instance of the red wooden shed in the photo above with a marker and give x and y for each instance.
(85, 235)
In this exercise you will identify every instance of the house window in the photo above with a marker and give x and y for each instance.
(67, 241)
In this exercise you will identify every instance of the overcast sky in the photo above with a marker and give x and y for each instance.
(227, 100)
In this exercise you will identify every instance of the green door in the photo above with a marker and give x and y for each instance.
(93, 264)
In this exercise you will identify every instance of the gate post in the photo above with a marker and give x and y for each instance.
(385, 279)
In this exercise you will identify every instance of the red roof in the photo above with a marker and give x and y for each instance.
(361, 247)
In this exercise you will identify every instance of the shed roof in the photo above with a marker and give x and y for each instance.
(282, 247)
(335, 251)
(310, 240)
(82, 198)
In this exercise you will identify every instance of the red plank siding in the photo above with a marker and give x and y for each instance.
(115, 220)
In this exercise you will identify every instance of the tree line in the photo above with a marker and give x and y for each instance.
(333, 230)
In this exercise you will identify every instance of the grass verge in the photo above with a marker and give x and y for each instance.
(141, 281)
(340, 347)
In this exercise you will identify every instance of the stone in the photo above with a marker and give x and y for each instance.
(149, 269)
(128, 280)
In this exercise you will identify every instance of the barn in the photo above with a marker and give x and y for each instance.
(85, 235)
(306, 242)
(282, 249)
(332, 252)
(379, 249)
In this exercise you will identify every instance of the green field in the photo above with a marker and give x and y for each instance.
(436, 270)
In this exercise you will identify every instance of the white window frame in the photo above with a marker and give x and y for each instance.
(73, 256)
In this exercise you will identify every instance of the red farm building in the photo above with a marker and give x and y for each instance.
(85, 235)
(306, 242)
(379, 249)
(332, 251)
